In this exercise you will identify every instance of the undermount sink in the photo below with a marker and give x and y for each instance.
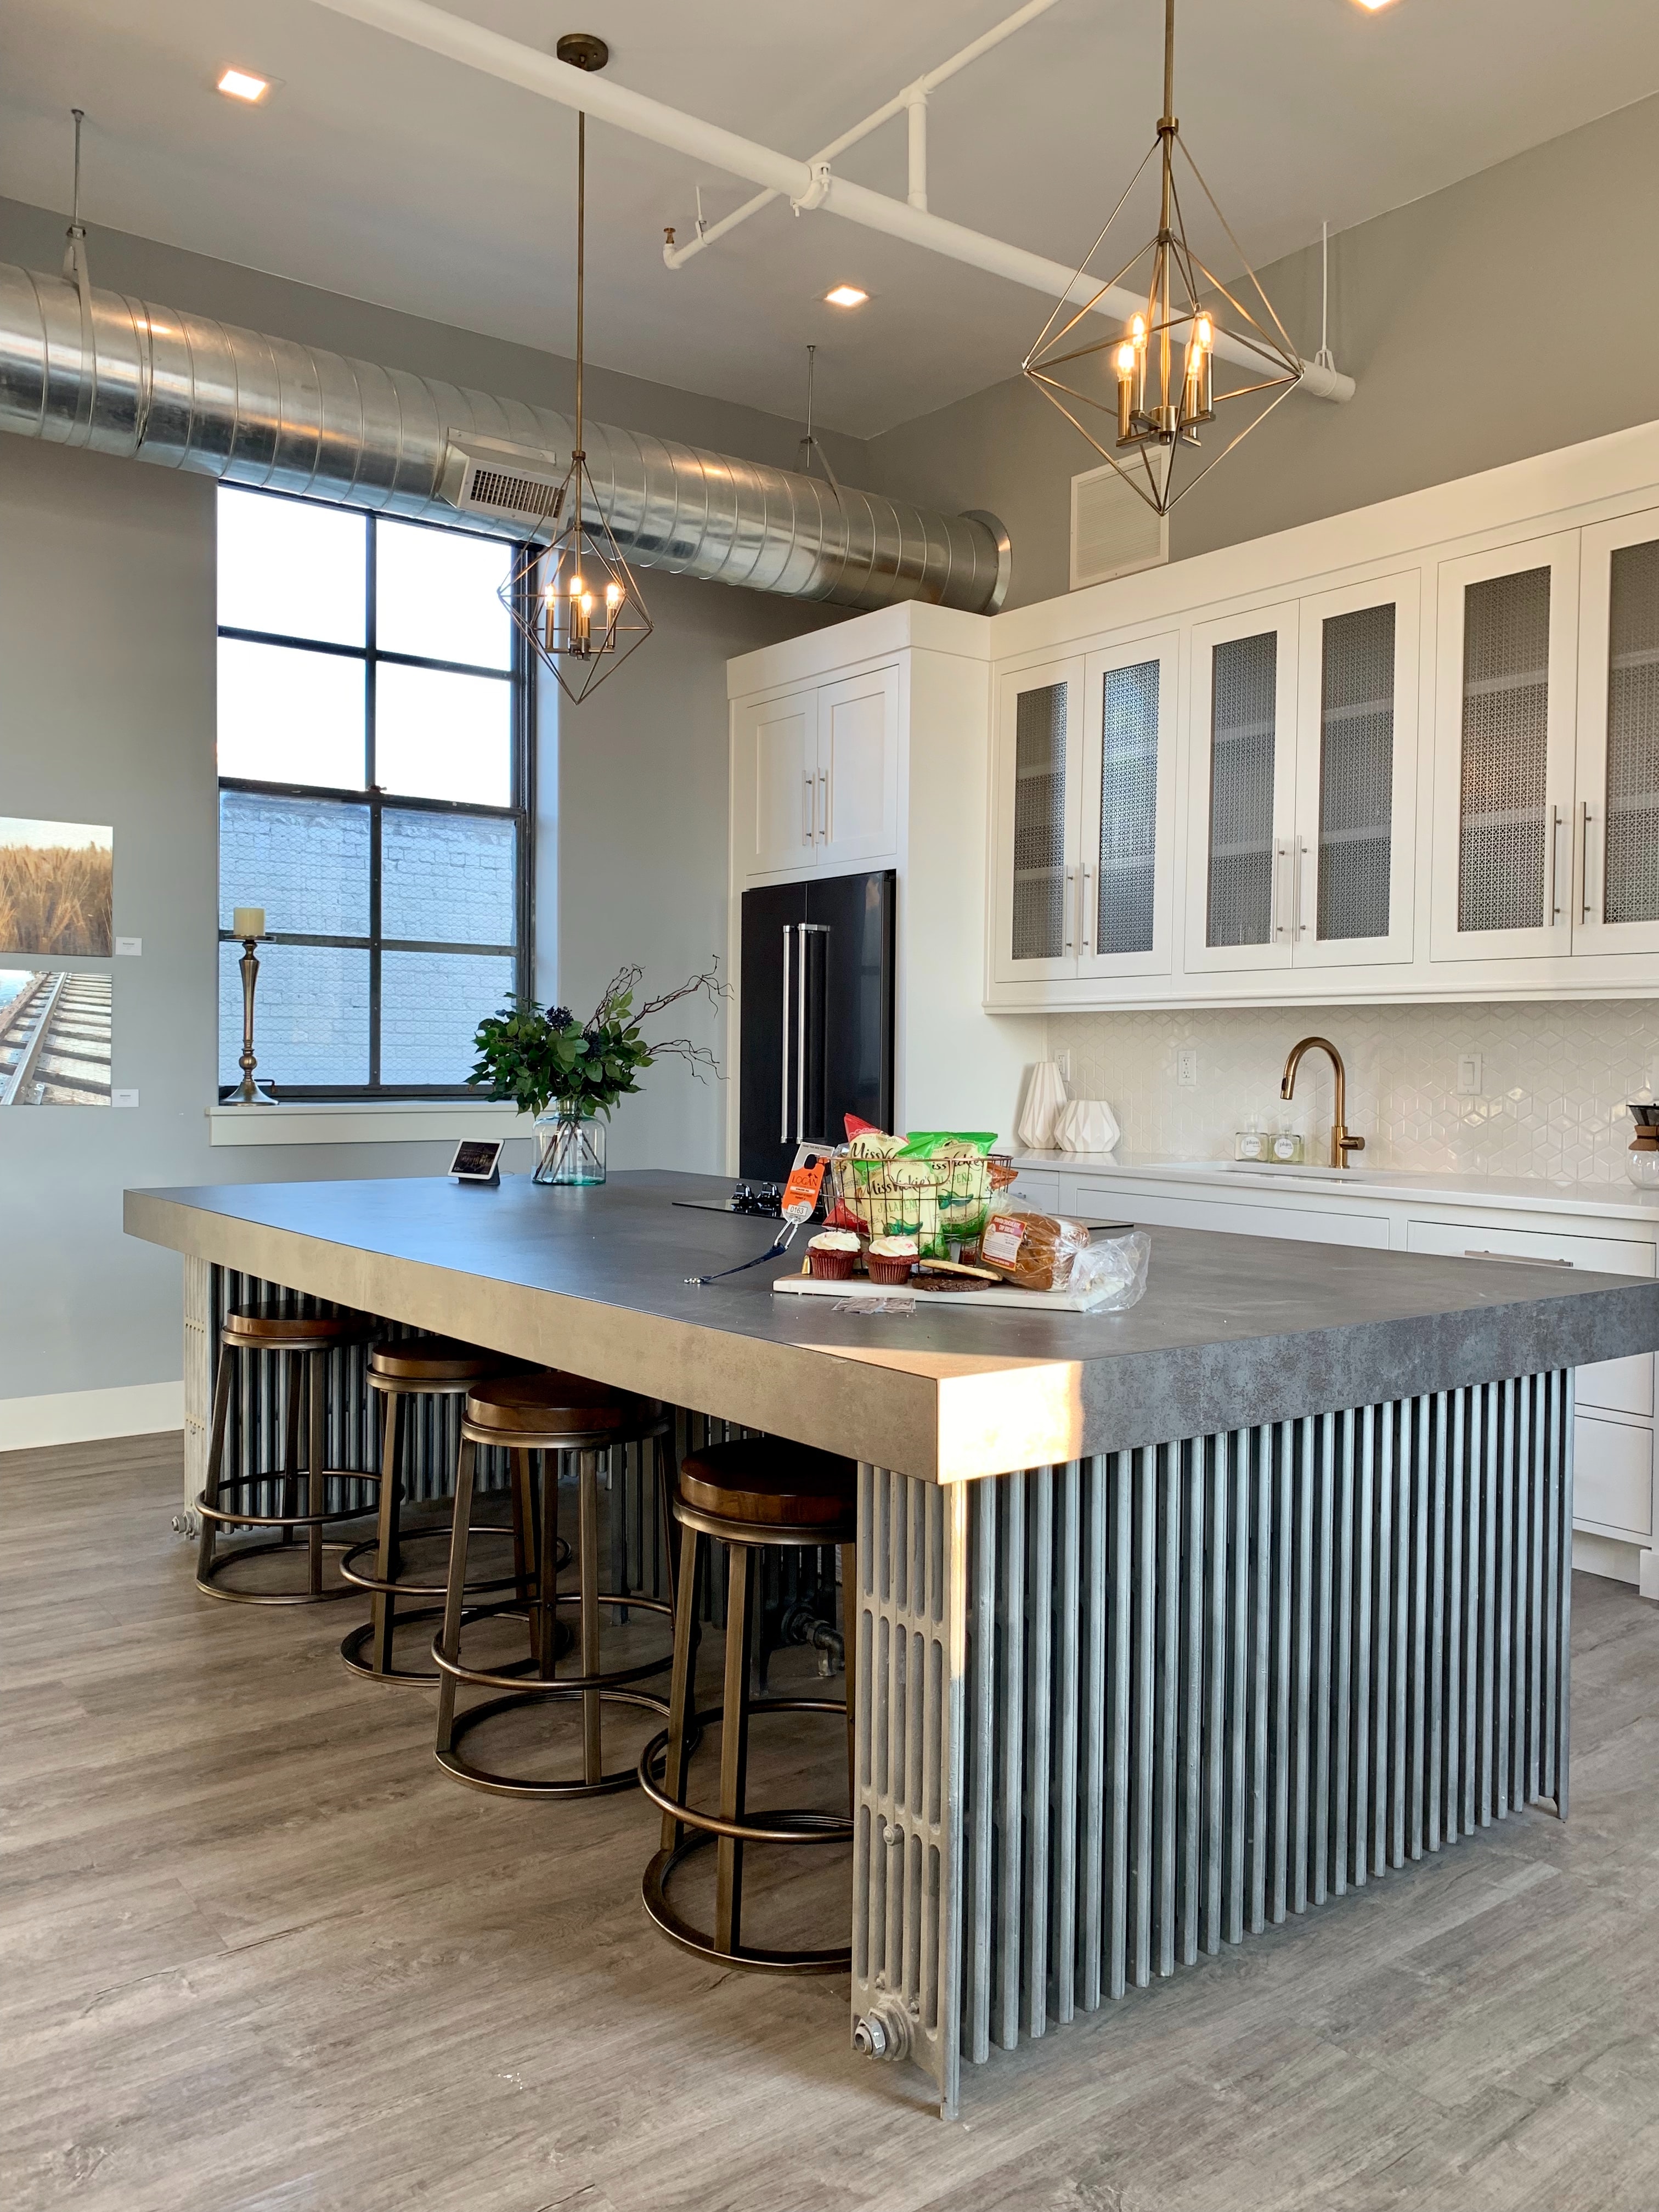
(1265, 1171)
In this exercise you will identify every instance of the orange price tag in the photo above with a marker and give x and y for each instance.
(802, 1189)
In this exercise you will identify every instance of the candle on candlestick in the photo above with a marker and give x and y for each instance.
(248, 922)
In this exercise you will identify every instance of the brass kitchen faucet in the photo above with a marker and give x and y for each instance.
(1341, 1143)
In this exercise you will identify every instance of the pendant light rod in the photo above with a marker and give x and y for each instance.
(581, 260)
(1169, 66)
(805, 184)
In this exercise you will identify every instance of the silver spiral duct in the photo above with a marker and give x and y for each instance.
(124, 376)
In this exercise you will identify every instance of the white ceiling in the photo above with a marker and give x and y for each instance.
(382, 172)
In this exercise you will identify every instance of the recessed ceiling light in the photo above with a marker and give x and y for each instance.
(1371, 6)
(845, 295)
(243, 84)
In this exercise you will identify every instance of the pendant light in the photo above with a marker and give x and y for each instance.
(574, 599)
(1151, 389)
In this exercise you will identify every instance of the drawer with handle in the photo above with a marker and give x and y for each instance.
(1619, 1386)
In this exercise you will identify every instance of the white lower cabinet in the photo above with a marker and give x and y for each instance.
(1307, 1224)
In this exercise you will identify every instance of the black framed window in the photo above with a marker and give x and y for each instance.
(376, 794)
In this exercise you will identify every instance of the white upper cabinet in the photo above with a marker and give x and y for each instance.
(1127, 820)
(1038, 774)
(1241, 792)
(1505, 706)
(816, 776)
(1615, 838)
(858, 766)
(1356, 779)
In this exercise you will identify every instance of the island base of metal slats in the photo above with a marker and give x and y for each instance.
(1115, 1714)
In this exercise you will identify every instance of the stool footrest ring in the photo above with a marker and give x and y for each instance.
(507, 1785)
(237, 1518)
(792, 1826)
(654, 1890)
(207, 1584)
(425, 1678)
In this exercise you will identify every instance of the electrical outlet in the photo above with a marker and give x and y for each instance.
(1187, 1068)
(1063, 1062)
(1468, 1075)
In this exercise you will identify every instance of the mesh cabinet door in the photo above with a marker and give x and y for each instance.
(1505, 686)
(1242, 792)
(1615, 829)
(1036, 917)
(1351, 902)
(1126, 858)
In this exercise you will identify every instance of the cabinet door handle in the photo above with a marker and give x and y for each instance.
(809, 786)
(1071, 910)
(1276, 928)
(1555, 840)
(1085, 930)
(824, 805)
(783, 1041)
(1583, 859)
(1300, 864)
(1519, 1260)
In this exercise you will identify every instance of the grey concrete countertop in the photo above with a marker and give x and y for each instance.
(1610, 1201)
(1232, 1331)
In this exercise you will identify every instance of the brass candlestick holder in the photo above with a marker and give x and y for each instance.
(248, 1092)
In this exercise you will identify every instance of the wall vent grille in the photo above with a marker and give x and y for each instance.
(1114, 531)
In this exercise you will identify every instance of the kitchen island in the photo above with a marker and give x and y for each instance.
(1171, 1622)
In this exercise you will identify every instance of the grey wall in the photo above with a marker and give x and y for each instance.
(107, 714)
(1507, 315)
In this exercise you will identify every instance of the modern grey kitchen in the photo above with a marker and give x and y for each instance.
(829, 1105)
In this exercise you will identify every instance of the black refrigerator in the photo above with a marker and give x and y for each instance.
(817, 965)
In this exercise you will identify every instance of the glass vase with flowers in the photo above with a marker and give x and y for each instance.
(569, 1075)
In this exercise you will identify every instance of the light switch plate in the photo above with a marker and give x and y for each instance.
(1063, 1062)
(1187, 1068)
(130, 946)
(124, 1098)
(1468, 1075)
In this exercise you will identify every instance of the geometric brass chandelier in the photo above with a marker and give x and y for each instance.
(575, 599)
(1151, 389)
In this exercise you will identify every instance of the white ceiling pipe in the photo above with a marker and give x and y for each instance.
(805, 184)
(913, 96)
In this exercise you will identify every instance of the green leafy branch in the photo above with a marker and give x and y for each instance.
(531, 1055)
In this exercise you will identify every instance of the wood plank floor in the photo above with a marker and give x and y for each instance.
(256, 1954)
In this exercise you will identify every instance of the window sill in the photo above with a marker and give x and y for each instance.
(364, 1122)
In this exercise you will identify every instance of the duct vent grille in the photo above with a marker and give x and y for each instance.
(509, 484)
(1114, 531)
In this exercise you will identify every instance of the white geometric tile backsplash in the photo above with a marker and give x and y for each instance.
(1554, 1078)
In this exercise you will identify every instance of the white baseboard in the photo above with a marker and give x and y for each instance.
(1606, 1555)
(83, 1417)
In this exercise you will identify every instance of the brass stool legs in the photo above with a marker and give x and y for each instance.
(305, 1376)
(685, 1830)
(595, 1685)
(368, 1648)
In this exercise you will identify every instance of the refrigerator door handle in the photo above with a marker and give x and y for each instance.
(800, 1037)
(783, 1035)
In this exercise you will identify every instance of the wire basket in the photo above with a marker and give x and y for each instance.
(943, 1203)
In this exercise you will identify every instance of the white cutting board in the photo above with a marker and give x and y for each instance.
(1002, 1294)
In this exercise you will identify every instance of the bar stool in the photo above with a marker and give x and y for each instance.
(307, 1339)
(555, 1414)
(747, 1495)
(399, 1369)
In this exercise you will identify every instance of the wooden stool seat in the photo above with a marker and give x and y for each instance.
(423, 1359)
(555, 1415)
(551, 1403)
(307, 1341)
(264, 1329)
(400, 1369)
(766, 1481)
(751, 1495)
